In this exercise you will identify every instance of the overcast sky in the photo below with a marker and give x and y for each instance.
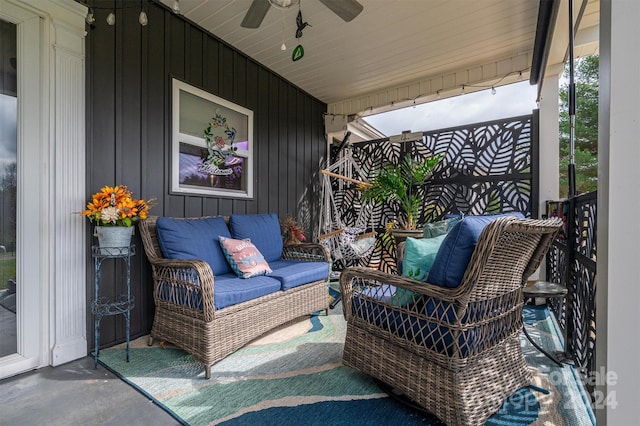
(509, 101)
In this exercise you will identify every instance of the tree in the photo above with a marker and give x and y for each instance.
(586, 125)
(9, 179)
(8, 200)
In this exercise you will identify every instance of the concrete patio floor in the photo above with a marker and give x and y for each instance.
(75, 393)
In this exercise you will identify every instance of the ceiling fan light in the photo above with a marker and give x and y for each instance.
(283, 4)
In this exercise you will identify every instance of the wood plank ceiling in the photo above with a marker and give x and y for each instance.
(391, 43)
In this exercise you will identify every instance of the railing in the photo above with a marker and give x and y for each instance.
(572, 262)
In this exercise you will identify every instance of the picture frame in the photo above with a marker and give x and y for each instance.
(211, 144)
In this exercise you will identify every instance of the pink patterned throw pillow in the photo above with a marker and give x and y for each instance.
(244, 258)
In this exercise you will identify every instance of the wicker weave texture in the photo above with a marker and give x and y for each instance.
(185, 313)
(455, 351)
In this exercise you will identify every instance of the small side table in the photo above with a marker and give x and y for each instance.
(544, 289)
(334, 277)
(101, 307)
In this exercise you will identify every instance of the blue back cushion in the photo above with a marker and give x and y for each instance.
(194, 239)
(456, 249)
(262, 229)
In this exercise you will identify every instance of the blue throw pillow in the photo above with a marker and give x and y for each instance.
(194, 239)
(456, 249)
(262, 229)
(419, 254)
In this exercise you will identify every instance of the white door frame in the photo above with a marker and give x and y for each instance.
(51, 254)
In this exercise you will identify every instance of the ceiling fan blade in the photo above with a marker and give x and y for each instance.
(345, 9)
(256, 13)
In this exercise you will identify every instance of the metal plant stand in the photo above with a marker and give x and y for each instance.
(334, 277)
(543, 289)
(101, 306)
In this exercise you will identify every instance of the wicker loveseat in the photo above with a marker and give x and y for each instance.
(453, 350)
(203, 307)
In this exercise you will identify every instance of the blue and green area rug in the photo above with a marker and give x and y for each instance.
(294, 376)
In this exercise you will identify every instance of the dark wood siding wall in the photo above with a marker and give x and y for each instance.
(129, 70)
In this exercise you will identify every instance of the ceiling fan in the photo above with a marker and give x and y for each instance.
(345, 9)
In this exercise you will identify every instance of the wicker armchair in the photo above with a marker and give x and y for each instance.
(454, 351)
(185, 312)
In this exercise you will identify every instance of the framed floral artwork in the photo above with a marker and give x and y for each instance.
(212, 144)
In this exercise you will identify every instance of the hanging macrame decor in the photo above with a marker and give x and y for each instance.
(340, 192)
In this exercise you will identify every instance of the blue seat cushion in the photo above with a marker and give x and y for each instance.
(230, 290)
(433, 336)
(456, 249)
(292, 273)
(383, 293)
(262, 229)
(432, 307)
(194, 239)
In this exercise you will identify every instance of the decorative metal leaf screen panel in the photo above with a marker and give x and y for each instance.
(485, 168)
(573, 263)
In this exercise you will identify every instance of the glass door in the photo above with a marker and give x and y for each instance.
(23, 344)
(42, 254)
(8, 187)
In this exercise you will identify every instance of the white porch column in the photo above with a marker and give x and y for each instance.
(51, 259)
(549, 142)
(67, 191)
(62, 178)
(618, 290)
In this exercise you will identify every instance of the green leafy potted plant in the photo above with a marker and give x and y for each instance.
(399, 184)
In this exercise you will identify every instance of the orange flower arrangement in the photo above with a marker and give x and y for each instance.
(115, 206)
